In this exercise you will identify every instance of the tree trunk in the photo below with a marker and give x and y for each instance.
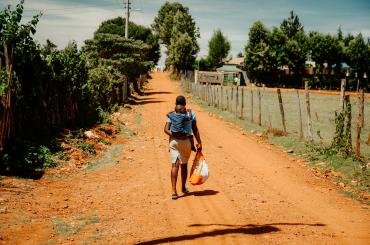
(6, 117)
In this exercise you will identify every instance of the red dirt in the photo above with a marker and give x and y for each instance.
(256, 194)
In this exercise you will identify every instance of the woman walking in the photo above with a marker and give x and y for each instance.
(181, 127)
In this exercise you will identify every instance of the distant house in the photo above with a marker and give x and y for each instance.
(232, 74)
(344, 67)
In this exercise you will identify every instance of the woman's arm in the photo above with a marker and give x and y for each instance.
(167, 129)
(196, 134)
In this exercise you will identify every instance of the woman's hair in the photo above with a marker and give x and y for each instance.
(180, 100)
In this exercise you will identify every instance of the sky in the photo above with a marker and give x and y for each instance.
(66, 20)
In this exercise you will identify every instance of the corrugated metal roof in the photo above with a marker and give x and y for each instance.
(229, 68)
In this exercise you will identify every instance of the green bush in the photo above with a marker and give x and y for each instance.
(24, 156)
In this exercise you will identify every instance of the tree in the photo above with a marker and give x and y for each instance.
(136, 32)
(175, 26)
(218, 48)
(181, 52)
(149, 54)
(358, 54)
(259, 61)
(165, 20)
(12, 35)
(294, 48)
(325, 49)
(340, 34)
(128, 56)
(291, 26)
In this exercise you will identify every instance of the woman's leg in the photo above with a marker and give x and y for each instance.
(174, 172)
(184, 175)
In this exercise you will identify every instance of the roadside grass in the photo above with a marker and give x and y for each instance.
(77, 224)
(108, 159)
(353, 177)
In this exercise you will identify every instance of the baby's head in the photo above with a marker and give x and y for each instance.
(180, 109)
(180, 104)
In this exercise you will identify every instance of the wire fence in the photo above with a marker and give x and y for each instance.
(309, 114)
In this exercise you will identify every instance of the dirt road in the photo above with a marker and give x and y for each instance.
(255, 195)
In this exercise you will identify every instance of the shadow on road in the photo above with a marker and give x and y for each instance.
(249, 229)
(202, 193)
(143, 102)
(158, 92)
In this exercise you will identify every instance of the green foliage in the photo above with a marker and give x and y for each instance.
(203, 64)
(325, 49)
(342, 141)
(177, 31)
(259, 61)
(166, 19)
(136, 32)
(12, 32)
(291, 26)
(86, 147)
(25, 156)
(268, 52)
(3, 82)
(218, 48)
(127, 57)
(181, 52)
(358, 54)
(105, 117)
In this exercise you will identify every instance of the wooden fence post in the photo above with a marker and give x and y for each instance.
(252, 105)
(213, 95)
(242, 104)
(268, 111)
(300, 116)
(281, 110)
(309, 123)
(232, 99)
(222, 97)
(216, 91)
(360, 122)
(227, 98)
(342, 94)
(259, 107)
(236, 101)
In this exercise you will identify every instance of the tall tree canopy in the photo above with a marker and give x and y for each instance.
(358, 55)
(136, 32)
(165, 20)
(175, 27)
(259, 61)
(291, 26)
(127, 56)
(218, 48)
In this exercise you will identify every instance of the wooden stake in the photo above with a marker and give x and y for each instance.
(281, 110)
(268, 111)
(242, 104)
(309, 123)
(342, 94)
(299, 116)
(252, 105)
(360, 122)
(259, 107)
(236, 101)
(227, 99)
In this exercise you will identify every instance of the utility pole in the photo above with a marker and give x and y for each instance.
(127, 7)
